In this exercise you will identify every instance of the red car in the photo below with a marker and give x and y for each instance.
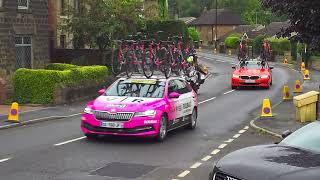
(252, 73)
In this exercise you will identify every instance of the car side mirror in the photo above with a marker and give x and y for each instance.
(286, 134)
(233, 67)
(174, 95)
(271, 67)
(102, 91)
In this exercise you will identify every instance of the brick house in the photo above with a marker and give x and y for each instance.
(23, 38)
(227, 21)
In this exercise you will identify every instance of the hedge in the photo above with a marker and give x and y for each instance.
(61, 66)
(257, 43)
(232, 42)
(279, 45)
(37, 86)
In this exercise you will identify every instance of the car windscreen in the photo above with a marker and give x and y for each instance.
(251, 65)
(137, 88)
(307, 138)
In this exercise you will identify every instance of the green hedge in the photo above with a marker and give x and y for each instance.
(61, 66)
(232, 42)
(257, 43)
(279, 45)
(169, 28)
(194, 34)
(37, 86)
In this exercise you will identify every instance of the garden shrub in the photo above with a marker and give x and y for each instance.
(232, 42)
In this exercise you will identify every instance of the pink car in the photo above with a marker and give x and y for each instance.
(142, 108)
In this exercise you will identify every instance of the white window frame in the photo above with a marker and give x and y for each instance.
(23, 7)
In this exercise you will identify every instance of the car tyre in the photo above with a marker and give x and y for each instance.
(193, 119)
(163, 129)
(233, 87)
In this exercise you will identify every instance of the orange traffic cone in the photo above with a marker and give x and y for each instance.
(303, 67)
(285, 60)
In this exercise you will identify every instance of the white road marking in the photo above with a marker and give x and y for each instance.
(242, 131)
(237, 135)
(228, 92)
(246, 128)
(216, 151)
(70, 141)
(220, 60)
(4, 160)
(206, 158)
(229, 141)
(184, 173)
(207, 100)
(222, 146)
(196, 165)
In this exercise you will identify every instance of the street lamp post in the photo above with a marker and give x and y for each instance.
(216, 27)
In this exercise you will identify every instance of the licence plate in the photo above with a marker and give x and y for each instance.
(250, 81)
(115, 125)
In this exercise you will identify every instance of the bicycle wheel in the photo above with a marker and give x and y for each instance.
(129, 67)
(166, 63)
(175, 64)
(148, 64)
(116, 62)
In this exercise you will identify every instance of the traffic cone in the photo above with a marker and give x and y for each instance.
(285, 60)
(303, 67)
(297, 87)
(306, 75)
(14, 113)
(286, 93)
(266, 110)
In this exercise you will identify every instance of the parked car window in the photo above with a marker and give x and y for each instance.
(307, 138)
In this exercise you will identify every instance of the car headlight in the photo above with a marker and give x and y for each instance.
(148, 113)
(88, 111)
(235, 76)
(264, 76)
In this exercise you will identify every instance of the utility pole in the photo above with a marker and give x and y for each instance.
(216, 28)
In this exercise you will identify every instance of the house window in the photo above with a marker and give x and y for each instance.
(62, 7)
(23, 52)
(63, 39)
(23, 4)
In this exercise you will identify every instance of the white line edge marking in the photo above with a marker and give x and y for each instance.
(216, 151)
(237, 135)
(246, 128)
(207, 100)
(222, 146)
(242, 131)
(229, 141)
(184, 173)
(228, 92)
(70, 141)
(206, 158)
(4, 160)
(196, 165)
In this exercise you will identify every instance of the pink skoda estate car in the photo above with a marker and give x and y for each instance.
(142, 108)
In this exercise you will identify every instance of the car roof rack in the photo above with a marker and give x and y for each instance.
(156, 75)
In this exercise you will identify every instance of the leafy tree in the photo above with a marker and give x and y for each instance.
(163, 9)
(193, 34)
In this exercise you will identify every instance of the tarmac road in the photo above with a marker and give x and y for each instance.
(57, 150)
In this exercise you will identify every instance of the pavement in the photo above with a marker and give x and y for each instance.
(58, 150)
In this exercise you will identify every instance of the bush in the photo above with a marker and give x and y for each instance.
(232, 42)
(279, 45)
(257, 43)
(235, 35)
(194, 34)
(37, 86)
(61, 66)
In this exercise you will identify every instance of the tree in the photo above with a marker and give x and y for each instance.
(163, 9)
(304, 20)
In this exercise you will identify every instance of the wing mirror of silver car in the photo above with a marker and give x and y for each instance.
(286, 134)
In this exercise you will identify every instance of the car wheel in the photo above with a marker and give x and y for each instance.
(233, 87)
(163, 129)
(271, 83)
(193, 119)
(91, 136)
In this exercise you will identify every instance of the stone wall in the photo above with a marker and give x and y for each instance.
(207, 32)
(15, 22)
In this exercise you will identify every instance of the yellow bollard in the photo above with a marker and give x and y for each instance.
(229, 52)
(306, 75)
(14, 113)
(266, 110)
(286, 93)
(285, 60)
(303, 67)
(297, 87)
